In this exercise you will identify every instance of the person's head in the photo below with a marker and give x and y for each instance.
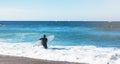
(44, 36)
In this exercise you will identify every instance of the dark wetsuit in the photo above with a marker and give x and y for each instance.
(44, 42)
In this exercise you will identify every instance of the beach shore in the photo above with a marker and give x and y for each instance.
(26, 53)
(23, 60)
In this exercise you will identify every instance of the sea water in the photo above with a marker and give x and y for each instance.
(75, 41)
(103, 34)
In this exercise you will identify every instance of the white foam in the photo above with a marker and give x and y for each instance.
(84, 54)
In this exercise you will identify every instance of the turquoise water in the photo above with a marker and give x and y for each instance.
(102, 34)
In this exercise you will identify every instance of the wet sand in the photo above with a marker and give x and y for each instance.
(23, 60)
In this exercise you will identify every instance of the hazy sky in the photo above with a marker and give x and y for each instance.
(81, 10)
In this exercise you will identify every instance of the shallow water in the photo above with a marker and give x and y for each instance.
(81, 54)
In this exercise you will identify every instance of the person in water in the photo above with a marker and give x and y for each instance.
(44, 41)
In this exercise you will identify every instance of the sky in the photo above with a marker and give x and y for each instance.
(60, 10)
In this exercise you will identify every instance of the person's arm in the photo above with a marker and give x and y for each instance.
(40, 39)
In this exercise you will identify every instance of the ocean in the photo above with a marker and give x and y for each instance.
(74, 41)
(74, 33)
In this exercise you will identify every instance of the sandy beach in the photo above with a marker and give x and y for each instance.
(22, 60)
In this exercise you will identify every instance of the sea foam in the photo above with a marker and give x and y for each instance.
(84, 54)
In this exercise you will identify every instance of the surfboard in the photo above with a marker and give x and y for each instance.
(50, 38)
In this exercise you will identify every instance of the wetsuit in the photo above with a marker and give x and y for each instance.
(44, 42)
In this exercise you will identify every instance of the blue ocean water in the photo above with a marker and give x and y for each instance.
(72, 33)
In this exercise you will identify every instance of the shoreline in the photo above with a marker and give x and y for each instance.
(72, 54)
(5, 59)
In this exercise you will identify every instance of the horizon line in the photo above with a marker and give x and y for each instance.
(64, 20)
